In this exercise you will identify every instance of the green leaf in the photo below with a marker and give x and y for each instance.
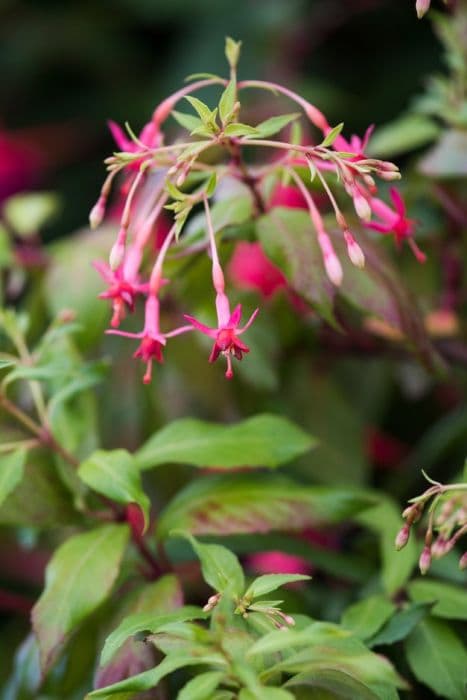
(404, 134)
(397, 566)
(188, 121)
(400, 625)
(448, 157)
(236, 503)
(438, 659)
(265, 693)
(270, 582)
(338, 683)
(238, 129)
(79, 578)
(211, 185)
(204, 76)
(115, 475)
(227, 102)
(202, 109)
(6, 248)
(11, 471)
(145, 622)
(289, 240)
(450, 601)
(27, 213)
(220, 567)
(273, 125)
(332, 136)
(149, 679)
(201, 687)
(261, 441)
(367, 616)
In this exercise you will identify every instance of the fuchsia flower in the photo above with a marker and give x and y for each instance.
(395, 221)
(356, 145)
(249, 268)
(120, 291)
(226, 340)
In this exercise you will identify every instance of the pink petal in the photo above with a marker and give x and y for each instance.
(398, 201)
(211, 332)
(249, 322)
(119, 136)
(376, 226)
(235, 317)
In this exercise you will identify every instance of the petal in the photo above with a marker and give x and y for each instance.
(376, 226)
(119, 136)
(249, 322)
(398, 201)
(215, 352)
(211, 332)
(124, 333)
(235, 316)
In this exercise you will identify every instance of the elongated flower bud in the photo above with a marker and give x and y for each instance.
(362, 207)
(97, 212)
(117, 254)
(422, 7)
(424, 562)
(402, 537)
(354, 251)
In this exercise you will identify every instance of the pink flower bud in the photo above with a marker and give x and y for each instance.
(289, 619)
(424, 562)
(463, 562)
(439, 548)
(117, 254)
(97, 212)
(389, 175)
(402, 537)
(422, 7)
(362, 207)
(354, 251)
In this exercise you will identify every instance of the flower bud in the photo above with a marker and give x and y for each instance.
(424, 562)
(362, 207)
(333, 269)
(422, 7)
(402, 537)
(97, 212)
(354, 251)
(389, 175)
(117, 254)
(212, 602)
(463, 562)
(439, 548)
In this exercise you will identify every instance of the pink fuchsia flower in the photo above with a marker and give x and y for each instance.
(249, 268)
(20, 164)
(226, 335)
(287, 196)
(121, 292)
(152, 340)
(356, 145)
(278, 563)
(395, 221)
(150, 136)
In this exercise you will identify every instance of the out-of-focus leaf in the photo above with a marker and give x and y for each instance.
(220, 567)
(404, 134)
(275, 124)
(288, 239)
(149, 679)
(450, 601)
(27, 213)
(261, 441)
(270, 582)
(448, 157)
(397, 566)
(201, 687)
(115, 475)
(6, 249)
(367, 616)
(332, 136)
(438, 659)
(79, 577)
(11, 471)
(400, 625)
(40, 499)
(236, 504)
(145, 622)
(338, 683)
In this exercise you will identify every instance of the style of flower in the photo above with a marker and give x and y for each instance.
(226, 335)
(395, 221)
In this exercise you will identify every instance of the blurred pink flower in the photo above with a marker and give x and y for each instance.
(20, 164)
(277, 562)
(395, 221)
(249, 268)
(287, 196)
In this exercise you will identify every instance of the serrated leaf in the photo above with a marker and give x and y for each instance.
(262, 441)
(332, 136)
(227, 102)
(438, 658)
(201, 687)
(270, 582)
(188, 121)
(115, 475)
(449, 601)
(400, 625)
(240, 504)
(367, 616)
(79, 577)
(273, 125)
(220, 567)
(240, 130)
(145, 622)
(149, 679)
(11, 471)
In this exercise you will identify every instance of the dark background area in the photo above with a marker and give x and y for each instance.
(67, 67)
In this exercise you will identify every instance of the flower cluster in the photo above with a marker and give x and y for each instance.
(158, 178)
(446, 506)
